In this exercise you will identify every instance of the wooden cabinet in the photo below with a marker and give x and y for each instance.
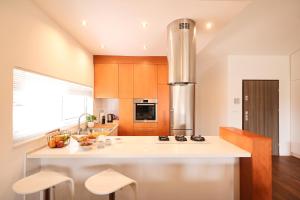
(145, 81)
(125, 81)
(145, 131)
(127, 78)
(126, 117)
(162, 74)
(106, 81)
(163, 110)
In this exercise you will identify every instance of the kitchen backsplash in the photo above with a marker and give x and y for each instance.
(107, 105)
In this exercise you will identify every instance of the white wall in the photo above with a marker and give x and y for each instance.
(211, 97)
(263, 35)
(263, 68)
(295, 101)
(31, 40)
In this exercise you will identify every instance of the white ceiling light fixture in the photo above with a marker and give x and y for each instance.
(145, 47)
(83, 23)
(209, 25)
(144, 24)
(102, 46)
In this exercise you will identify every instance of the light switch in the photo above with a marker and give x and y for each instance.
(236, 100)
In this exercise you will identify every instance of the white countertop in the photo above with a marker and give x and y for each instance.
(146, 147)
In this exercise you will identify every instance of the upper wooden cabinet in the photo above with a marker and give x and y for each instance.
(145, 81)
(106, 81)
(162, 74)
(125, 81)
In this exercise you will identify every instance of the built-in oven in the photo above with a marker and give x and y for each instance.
(145, 110)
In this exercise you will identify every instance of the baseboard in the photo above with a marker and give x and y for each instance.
(296, 155)
(285, 149)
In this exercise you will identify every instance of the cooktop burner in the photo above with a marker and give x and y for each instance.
(180, 138)
(197, 138)
(163, 138)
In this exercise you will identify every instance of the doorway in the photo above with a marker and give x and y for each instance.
(261, 109)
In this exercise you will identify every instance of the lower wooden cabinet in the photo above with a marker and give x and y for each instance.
(145, 131)
(163, 110)
(125, 117)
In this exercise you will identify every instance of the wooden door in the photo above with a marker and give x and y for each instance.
(125, 81)
(145, 81)
(163, 109)
(106, 80)
(125, 117)
(261, 109)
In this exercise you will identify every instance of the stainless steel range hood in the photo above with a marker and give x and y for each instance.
(182, 76)
(182, 51)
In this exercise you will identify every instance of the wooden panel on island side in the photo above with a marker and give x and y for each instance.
(125, 81)
(125, 117)
(255, 172)
(106, 81)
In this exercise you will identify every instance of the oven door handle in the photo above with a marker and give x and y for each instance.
(145, 104)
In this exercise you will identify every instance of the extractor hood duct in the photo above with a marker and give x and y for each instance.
(182, 51)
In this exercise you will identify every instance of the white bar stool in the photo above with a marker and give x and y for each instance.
(108, 182)
(42, 181)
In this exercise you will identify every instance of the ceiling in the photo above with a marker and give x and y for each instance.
(117, 24)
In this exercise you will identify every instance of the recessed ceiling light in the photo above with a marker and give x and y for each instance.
(145, 47)
(209, 25)
(102, 46)
(83, 23)
(144, 24)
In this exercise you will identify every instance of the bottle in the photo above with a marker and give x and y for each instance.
(101, 114)
(103, 119)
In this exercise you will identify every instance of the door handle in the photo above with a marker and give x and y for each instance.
(246, 117)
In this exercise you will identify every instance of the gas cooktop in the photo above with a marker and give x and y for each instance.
(182, 138)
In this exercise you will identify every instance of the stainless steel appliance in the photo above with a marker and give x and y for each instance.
(145, 110)
(182, 109)
(181, 59)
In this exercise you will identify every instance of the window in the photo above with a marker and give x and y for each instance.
(42, 103)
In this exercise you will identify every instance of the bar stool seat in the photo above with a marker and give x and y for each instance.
(41, 181)
(108, 182)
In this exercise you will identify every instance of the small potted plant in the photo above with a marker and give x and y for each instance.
(90, 120)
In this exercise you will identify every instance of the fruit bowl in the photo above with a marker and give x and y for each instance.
(58, 139)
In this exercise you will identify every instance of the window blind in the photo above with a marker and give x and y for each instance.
(42, 103)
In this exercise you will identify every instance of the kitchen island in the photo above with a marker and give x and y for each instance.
(163, 169)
